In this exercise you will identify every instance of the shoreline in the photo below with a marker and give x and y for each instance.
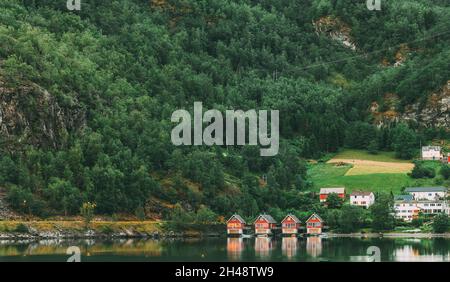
(41, 230)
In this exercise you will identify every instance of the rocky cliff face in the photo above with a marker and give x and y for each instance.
(336, 29)
(29, 114)
(434, 113)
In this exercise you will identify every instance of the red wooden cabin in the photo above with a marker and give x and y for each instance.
(264, 225)
(235, 225)
(324, 192)
(314, 224)
(290, 224)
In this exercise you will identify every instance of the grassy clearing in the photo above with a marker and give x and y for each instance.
(364, 155)
(328, 175)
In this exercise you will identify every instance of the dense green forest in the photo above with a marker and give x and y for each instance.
(86, 96)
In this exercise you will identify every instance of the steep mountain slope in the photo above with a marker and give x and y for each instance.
(86, 96)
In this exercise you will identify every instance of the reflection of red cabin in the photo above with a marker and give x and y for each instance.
(264, 224)
(314, 224)
(235, 225)
(324, 192)
(290, 224)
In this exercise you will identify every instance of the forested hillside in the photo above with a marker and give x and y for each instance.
(86, 96)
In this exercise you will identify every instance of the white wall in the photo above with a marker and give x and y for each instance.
(357, 200)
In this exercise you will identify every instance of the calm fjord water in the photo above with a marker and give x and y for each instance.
(229, 249)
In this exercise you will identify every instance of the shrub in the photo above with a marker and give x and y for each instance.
(421, 171)
(445, 171)
(21, 228)
(440, 223)
(87, 212)
(140, 213)
(106, 229)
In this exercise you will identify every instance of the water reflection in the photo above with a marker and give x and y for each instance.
(229, 249)
(314, 246)
(289, 246)
(263, 247)
(412, 254)
(235, 246)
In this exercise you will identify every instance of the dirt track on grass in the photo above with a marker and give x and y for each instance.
(363, 167)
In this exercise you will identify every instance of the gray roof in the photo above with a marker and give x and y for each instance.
(361, 193)
(338, 190)
(316, 215)
(293, 217)
(404, 198)
(425, 189)
(266, 217)
(238, 217)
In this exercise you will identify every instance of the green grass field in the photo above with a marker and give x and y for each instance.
(330, 175)
(364, 155)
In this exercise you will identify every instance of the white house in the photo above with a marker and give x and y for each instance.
(362, 199)
(431, 153)
(427, 193)
(432, 207)
(405, 208)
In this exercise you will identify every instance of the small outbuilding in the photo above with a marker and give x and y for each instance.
(314, 225)
(325, 192)
(265, 225)
(290, 225)
(236, 225)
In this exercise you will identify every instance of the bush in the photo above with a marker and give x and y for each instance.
(372, 148)
(421, 171)
(106, 229)
(21, 228)
(440, 223)
(445, 171)
(140, 213)
(87, 212)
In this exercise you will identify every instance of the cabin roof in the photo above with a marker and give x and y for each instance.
(238, 217)
(314, 215)
(339, 190)
(425, 189)
(293, 217)
(267, 217)
(361, 193)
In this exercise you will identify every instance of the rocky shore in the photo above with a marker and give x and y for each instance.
(38, 230)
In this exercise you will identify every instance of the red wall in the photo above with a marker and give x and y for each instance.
(234, 224)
